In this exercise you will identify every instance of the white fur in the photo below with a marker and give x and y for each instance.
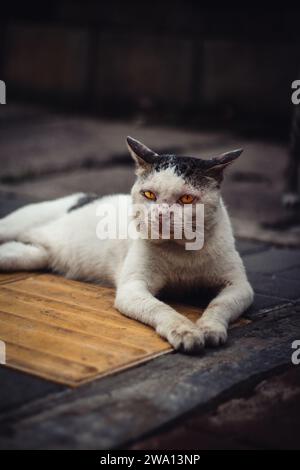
(44, 235)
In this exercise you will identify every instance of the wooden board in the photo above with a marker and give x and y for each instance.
(69, 332)
(11, 277)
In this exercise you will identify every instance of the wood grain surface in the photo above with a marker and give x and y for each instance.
(69, 332)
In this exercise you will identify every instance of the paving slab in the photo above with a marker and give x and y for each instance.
(18, 388)
(263, 302)
(272, 261)
(105, 181)
(292, 274)
(266, 416)
(247, 247)
(274, 286)
(51, 142)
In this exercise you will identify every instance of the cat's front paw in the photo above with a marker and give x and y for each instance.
(186, 337)
(215, 334)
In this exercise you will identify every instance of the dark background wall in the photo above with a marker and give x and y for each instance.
(175, 60)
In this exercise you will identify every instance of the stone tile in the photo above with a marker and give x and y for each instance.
(275, 286)
(18, 388)
(292, 274)
(247, 420)
(118, 179)
(35, 143)
(262, 302)
(48, 144)
(253, 185)
(246, 247)
(272, 261)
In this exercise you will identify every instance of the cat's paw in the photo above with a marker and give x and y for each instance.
(215, 334)
(186, 337)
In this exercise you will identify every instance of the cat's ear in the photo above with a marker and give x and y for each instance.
(217, 164)
(142, 155)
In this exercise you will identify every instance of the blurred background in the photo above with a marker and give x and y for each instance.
(81, 75)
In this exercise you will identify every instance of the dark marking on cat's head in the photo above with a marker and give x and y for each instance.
(83, 201)
(191, 169)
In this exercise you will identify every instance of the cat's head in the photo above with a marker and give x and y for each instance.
(178, 180)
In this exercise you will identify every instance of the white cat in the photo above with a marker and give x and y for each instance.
(61, 235)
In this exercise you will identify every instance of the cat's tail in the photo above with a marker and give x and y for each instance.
(18, 256)
(14, 225)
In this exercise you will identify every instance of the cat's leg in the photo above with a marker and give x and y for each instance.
(33, 215)
(135, 299)
(226, 307)
(17, 256)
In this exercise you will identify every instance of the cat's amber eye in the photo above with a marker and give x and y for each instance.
(149, 195)
(186, 199)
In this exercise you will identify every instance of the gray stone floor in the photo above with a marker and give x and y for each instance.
(245, 420)
(44, 155)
